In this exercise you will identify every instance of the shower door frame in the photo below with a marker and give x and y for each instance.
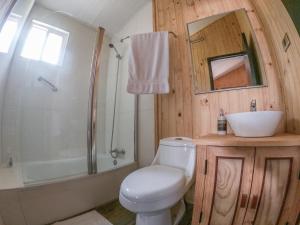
(6, 11)
(92, 109)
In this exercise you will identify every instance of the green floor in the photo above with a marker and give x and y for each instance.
(118, 215)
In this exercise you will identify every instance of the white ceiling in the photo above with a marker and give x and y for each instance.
(110, 14)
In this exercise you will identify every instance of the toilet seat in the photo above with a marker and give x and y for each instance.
(153, 183)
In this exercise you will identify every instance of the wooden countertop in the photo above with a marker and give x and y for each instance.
(231, 140)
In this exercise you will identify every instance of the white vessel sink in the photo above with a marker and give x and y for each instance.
(255, 124)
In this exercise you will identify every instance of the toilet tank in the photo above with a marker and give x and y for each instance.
(177, 152)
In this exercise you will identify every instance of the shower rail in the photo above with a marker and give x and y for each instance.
(92, 113)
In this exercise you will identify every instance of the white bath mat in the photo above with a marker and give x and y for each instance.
(90, 218)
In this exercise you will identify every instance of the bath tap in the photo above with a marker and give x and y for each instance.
(253, 105)
(116, 152)
(10, 162)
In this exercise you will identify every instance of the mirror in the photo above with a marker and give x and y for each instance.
(225, 53)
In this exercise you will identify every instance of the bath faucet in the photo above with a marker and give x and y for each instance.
(253, 106)
(10, 162)
(116, 153)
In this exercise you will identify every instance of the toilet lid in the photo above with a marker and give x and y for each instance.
(152, 183)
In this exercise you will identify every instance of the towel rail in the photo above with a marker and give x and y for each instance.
(48, 83)
(170, 32)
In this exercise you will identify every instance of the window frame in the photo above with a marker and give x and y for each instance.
(49, 30)
(14, 18)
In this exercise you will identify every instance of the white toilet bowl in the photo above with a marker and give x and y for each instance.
(150, 192)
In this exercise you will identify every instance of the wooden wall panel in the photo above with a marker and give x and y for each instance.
(276, 22)
(181, 113)
(174, 109)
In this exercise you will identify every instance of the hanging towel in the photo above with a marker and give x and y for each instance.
(149, 64)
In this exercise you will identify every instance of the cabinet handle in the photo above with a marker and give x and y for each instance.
(254, 202)
(244, 201)
(200, 217)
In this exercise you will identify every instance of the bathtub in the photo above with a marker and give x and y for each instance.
(56, 170)
(43, 201)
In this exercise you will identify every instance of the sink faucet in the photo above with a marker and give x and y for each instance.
(253, 106)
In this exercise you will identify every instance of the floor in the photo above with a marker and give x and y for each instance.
(89, 218)
(118, 215)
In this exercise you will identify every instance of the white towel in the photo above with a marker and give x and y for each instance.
(149, 64)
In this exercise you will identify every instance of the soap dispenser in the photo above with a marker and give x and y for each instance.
(222, 123)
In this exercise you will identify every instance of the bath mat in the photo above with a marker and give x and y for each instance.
(90, 218)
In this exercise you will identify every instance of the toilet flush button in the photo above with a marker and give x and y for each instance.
(178, 139)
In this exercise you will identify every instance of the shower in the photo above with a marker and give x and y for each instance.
(56, 118)
(115, 152)
(116, 50)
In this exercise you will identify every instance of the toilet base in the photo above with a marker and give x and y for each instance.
(162, 217)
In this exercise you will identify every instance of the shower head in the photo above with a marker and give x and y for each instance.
(117, 53)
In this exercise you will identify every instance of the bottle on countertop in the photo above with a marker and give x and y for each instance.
(222, 123)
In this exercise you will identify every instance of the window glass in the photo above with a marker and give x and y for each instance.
(51, 53)
(45, 43)
(8, 33)
(34, 43)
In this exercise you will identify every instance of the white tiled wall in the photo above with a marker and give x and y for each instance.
(124, 112)
(40, 123)
(21, 8)
(141, 22)
(45, 204)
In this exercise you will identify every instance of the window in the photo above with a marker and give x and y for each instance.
(45, 43)
(8, 32)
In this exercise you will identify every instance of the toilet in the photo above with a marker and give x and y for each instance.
(152, 191)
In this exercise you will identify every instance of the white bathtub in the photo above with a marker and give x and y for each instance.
(56, 170)
(45, 202)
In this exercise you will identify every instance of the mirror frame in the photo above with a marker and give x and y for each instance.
(264, 78)
(211, 59)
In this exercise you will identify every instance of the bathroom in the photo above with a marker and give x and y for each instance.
(74, 139)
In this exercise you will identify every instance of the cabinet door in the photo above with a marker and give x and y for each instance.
(275, 189)
(227, 185)
(200, 181)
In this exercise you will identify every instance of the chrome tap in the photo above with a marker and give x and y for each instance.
(253, 106)
(10, 163)
(116, 153)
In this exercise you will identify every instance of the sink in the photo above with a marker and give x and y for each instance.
(255, 124)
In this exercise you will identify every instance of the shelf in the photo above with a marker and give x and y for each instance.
(231, 140)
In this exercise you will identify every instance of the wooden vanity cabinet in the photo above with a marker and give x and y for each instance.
(254, 184)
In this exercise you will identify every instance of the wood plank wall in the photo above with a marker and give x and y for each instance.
(181, 113)
(277, 22)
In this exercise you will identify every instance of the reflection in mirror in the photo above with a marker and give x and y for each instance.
(224, 53)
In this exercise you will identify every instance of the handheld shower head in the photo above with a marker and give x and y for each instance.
(117, 53)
